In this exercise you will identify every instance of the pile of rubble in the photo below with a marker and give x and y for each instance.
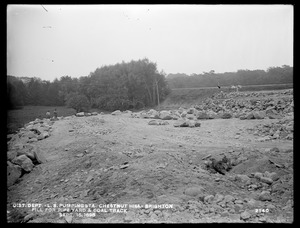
(273, 108)
(22, 154)
(252, 94)
(258, 106)
(282, 129)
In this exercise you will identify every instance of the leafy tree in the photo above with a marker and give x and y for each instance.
(79, 102)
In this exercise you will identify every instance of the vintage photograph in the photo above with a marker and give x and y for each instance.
(161, 114)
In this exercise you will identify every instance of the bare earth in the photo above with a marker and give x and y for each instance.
(85, 166)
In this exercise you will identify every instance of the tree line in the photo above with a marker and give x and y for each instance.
(273, 75)
(132, 85)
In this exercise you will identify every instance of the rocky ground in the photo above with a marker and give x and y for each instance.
(206, 161)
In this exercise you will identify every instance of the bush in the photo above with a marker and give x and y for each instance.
(79, 102)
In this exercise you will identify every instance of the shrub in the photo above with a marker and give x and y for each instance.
(79, 102)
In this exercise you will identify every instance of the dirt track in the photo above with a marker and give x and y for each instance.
(85, 166)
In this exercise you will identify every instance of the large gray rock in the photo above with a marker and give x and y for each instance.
(242, 178)
(259, 114)
(180, 123)
(153, 122)
(117, 112)
(266, 180)
(226, 115)
(229, 198)
(39, 156)
(245, 215)
(250, 116)
(144, 115)
(153, 112)
(190, 116)
(11, 154)
(165, 115)
(23, 161)
(13, 173)
(218, 197)
(191, 111)
(265, 196)
(194, 191)
(202, 115)
(26, 150)
(80, 114)
(212, 115)
(31, 135)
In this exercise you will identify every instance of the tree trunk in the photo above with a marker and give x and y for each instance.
(149, 93)
(157, 93)
(153, 93)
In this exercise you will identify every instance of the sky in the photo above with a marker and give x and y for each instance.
(50, 41)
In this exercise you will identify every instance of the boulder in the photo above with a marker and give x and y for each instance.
(226, 115)
(197, 124)
(242, 178)
(153, 122)
(202, 115)
(208, 198)
(45, 134)
(275, 149)
(144, 115)
(245, 215)
(164, 123)
(23, 161)
(32, 140)
(191, 111)
(218, 197)
(250, 116)
(191, 123)
(259, 114)
(190, 116)
(212, 115)
(258, 175)
(265, 196)
(40, 137)
(229, 198)
(31, 135)
(11, 154)
(80, 114)
(180, 123)
(274, 116)
(194, 191)
(243, 117)
(252, 203)
(39, 156)
(117, 112)
(183, 114)
(94, 113)
(266, 180)
(153, 114)
(165, 115)
(26, 150)
(13, 173)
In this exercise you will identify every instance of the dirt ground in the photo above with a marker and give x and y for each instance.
(108, 159)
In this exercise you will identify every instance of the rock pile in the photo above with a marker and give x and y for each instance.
(221, 166)
(255, 105)
(82, 114)
(254, 108)
(282, 129)
(22, 154)
(253, 94)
